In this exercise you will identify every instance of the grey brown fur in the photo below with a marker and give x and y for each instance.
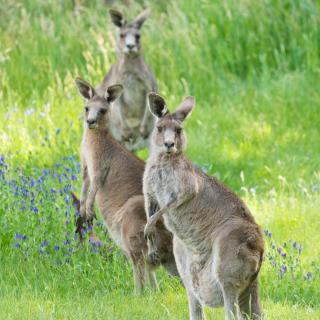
(217, 244)
(131, 120)
(113, 176)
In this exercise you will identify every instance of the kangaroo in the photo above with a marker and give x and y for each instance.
(114, 176)
(217, 244)
(131, 122)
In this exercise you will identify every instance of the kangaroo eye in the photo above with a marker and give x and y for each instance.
(122, 35)
(159, 129)
(103, 111)
(86, 109)
(137, 36)
(178, 130)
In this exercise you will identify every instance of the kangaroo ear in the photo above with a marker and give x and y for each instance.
(141, 18)
(157, 105)
(113, 92)
(117, 18)
(85, 89)
(185, 108)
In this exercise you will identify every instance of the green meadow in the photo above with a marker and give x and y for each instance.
(254, 68)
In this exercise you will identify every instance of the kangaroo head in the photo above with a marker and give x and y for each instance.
(128, 41)
(97, 106)
(168, 136)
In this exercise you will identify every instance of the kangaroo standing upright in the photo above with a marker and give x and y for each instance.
(114, 176)
(217, 244)
(131, 122)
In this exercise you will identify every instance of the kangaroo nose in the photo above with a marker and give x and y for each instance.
(130, 46)
(169, 144)
(91, 121)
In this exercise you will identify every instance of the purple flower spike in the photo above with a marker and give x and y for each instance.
(32, 183)
(283, 269)
(99, 244)
(94, 250)
(44, 243)
(67, 198)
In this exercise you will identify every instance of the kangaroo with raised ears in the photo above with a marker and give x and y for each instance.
(114, 176)
(217, 244)
(131, 122)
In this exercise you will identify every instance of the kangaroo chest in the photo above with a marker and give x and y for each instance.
(169, 184)
(163, 184)
(165, 187)
(134, 96)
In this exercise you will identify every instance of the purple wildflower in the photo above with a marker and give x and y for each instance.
(67, 198)
(32, 183)
(28, 112)
(44, 243)
(34, 209)
(21, 236)
(283, 269)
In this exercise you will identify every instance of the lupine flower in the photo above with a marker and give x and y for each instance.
(34, 209)
(67, 198)
(32, 183)
(21, 236)
(283, 269)
(28, 112)
(44, 243)
(94, 250)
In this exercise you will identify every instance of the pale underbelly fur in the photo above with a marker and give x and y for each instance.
(133, 104)
(198, 275)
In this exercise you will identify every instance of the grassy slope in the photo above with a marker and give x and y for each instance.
(254, 69)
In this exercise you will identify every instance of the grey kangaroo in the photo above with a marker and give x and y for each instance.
(217, 244)
(131, 122)
(114, 176)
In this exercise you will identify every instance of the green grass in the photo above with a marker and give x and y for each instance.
(254, 69)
